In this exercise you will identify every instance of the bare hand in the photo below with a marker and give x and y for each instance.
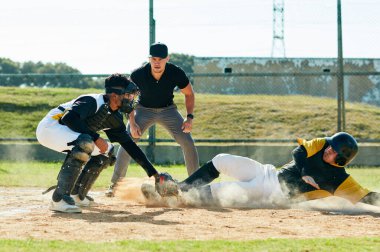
(309, 180)
(135, 130)
(101, 144)
(187, 125)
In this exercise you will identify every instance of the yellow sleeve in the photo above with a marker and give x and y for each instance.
(351, 190)
(312, 146)
(316, 194)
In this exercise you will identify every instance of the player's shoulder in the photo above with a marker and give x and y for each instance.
(82, 98)
(312, 146)
(90, 97)
(95, 100)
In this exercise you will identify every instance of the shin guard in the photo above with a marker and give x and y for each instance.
(90, 173)
(67, 176)
(72, 166)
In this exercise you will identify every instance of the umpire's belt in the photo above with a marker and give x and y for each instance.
(164, 106)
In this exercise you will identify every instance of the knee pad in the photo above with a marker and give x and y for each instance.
(83, 147)
(86, 143)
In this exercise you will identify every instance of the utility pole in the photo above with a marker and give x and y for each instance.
(152, 39)
(152, 24)
(340, 80)
(278, 43)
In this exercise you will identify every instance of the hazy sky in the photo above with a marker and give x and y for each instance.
(97, 36)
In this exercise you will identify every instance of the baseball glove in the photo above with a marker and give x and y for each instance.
(166, 186)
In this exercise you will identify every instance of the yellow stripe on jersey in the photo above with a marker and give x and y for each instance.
(316, 194)
(312, 146)
(351, 190)
(57, 116)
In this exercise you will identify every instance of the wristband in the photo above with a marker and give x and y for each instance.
(191, 116)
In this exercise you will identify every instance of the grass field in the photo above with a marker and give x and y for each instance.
(281, 245)
(216, 116)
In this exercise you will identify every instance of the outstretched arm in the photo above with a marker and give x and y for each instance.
(138, 155)
(122, 137)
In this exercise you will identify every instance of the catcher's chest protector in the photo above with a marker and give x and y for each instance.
(104, 119)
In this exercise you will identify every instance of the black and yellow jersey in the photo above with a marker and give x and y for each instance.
(332, 180)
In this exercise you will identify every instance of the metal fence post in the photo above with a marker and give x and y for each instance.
(340, 81)
(152, 129)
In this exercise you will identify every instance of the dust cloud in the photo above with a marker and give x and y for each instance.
(129, 190)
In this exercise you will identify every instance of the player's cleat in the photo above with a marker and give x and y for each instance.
(150, 194)
(64, 207)
(82, 203)
(111, 190)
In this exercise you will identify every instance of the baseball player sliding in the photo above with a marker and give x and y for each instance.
(316, 171)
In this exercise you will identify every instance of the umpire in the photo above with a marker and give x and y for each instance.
(157, 81)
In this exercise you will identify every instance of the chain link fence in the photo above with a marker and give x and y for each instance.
(363, 87)
(286, 76)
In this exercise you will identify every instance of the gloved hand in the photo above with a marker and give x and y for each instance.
(165, 185)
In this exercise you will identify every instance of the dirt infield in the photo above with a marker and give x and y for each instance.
(24, 214)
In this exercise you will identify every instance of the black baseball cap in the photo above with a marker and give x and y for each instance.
(158, 50)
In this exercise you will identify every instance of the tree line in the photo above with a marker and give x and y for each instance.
(39, 74)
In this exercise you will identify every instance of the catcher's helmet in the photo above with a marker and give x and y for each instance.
(346, 147)
(119, 84)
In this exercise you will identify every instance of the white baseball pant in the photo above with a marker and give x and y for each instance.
(53, 135)
(257, 184)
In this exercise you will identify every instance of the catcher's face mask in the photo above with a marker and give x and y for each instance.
(128, 103)
(127, 98)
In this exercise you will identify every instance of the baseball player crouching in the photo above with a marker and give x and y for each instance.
(72, 128)
(316, 171)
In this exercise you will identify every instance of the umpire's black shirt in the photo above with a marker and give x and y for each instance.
(158, 93)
